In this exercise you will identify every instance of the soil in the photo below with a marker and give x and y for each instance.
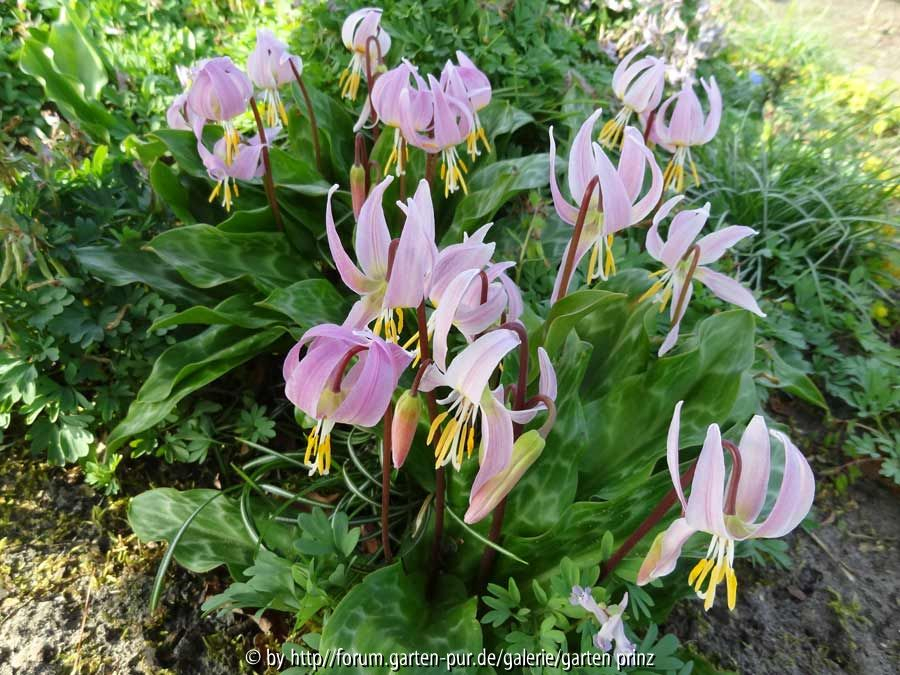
(833, 611)
(75, 583)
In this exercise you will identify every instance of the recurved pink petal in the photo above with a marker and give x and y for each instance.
(564, 210)
(664, 553)
(350, 274)
(472, 368)
(714, 245)
(795, 498)
(654, 241)
(711, 125)
(728, 289)
(373, 239)
(684, 228)
(582, 162)
(413, 261)
(705, 507)
(756, 456)
(496, 439)
(673, 454)
(368, 399)
(547, 382)
(446, 313)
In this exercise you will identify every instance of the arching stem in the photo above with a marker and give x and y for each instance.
(648, 524)
(313, 125)
(268, 181)
(569, 265)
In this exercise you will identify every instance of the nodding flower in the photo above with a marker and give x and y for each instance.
(684, 261)
(386, 100)
(245, 165)
(178, 115)
(472, 404)
(356, 32)
(729, 510)
(452, 124)
(612, 627)
(220, 91)
(383, 295)
(686, 128)
(615, 204)
(639, 86)
(269, 67)
(467, 83)
(346, 377)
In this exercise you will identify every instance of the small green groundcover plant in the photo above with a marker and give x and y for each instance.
(485, 462)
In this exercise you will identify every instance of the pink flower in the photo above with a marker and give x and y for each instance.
(685, 261)
(612, 627)
(220, 91)
(357, 29)
(387, 101)
(384, 295)
(472, 401)
(346, 377)
(269, 67)
(687, 128)
(733, 515)
(466, 82)
(639, 86)
(245, 165)
(615, 205)
(452, 124)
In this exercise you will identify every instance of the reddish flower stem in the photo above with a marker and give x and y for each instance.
(313, 125)
(731, 495)
(370, 80)
(386, 483)
(651, 118)
(268, 181)
(342, 366)
(569, 265)
(490, 553)
(648, 524)
(430, 164)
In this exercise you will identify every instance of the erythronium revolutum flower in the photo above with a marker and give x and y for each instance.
(467, 83)
(472, 403)
(386, 100)
(357, 29)
(220, 92)
(178, 113)
(615, 205)
(384, 295)
(346, 377)
(245, 165)
(269, 67)
(729, 510)
(452, 123)
(526, 450)
(639, 86)
(612, 627)
(686, 128)
(685, 261)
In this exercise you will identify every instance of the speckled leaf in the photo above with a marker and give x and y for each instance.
(238, 310)
(626, 435)
(388, 613)
(308, 303)
(207, 256)
(215, 537)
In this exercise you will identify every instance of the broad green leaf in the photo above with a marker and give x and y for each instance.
(794, 381)
(293, 173)
(308, 303)
(169, 188)
(185, 367)
(500, 117)
(492, 186)
(566, 313)
(207, 256)
(215, 537)
(388, 613)
(74, 54)
(626, 434)
(123, 264)
(238, 310)
(36, 60)
(182, 145)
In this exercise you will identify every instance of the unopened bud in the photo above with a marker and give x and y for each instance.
(357, 188)
(525, 453)
(403, 427)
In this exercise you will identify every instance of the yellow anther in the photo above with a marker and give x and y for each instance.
(215, 191)
(650, 292)
(435, 424)
(731, 582)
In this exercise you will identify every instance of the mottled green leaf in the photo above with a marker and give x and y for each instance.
(238, 310)
(308, 303)
(388, 613)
